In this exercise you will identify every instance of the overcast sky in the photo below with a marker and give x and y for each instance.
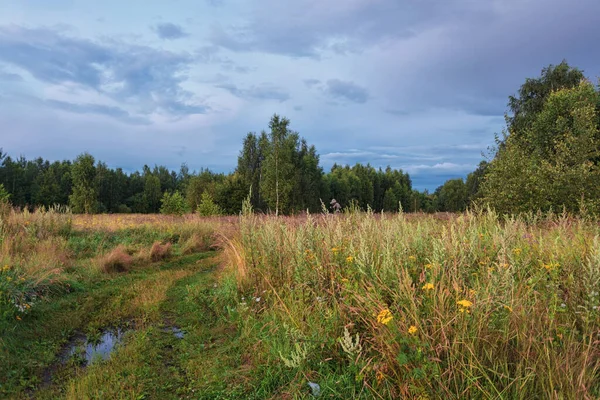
(420, 85)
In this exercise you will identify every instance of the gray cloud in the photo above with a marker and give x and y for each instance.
(347, 91)
(113, 112)
(311, 82)
(264, 91)
(152, 78)
(169, 31)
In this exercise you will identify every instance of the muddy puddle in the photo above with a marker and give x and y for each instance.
(88, 350)
(176, 331)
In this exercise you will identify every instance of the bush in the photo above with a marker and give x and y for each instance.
(173, 203)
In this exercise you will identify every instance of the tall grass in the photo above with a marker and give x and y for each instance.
(468, 306)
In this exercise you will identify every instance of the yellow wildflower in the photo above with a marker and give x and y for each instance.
(517, 251)
(428, 266)
(464, 303)
(335, 250)
(384, 317)
(412, 330)
(428, 286)
(464, 306)
(412, 258)
(349, 259)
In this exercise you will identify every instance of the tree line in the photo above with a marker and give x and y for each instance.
(546, 158)
(276, 169)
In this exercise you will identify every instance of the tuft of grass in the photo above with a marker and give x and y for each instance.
(118, 260)
(160, 251)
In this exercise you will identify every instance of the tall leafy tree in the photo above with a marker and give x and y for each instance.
(85, 195)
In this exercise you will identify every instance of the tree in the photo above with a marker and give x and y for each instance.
(279, 170)
(554, 163)
(452, 196)
(207, 207)
(4, 195)
(173, 203)
(84, 197)
(535, 91)
(390, 201)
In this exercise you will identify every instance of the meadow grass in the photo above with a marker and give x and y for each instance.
(429, 306)
(364, 305)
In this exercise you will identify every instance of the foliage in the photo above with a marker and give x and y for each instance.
(84, 197)
(4, 195)
(207, 207)
(173, 203)
(553, 164)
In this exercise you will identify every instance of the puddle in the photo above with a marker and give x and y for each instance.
(90, 350)
(176, 331)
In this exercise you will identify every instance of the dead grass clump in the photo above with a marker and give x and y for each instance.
(118, 260)
(160, 251)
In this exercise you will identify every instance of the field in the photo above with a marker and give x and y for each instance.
(351, 305)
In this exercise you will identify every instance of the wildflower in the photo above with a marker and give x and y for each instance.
(335, 250)
(380, 377)
(517, 251)
(384, 317)
(428, 266)
(349, 259)
(412, 330)
(428, 286)
(464, 306)
(344, 279)
(412, 258)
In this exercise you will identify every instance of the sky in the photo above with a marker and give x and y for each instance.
(420, 85)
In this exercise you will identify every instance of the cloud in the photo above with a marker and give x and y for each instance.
(9, 76)
(110, 111)
(311, 82)
(263, 91)
(169, 31)
(346, 90)
(140, 75)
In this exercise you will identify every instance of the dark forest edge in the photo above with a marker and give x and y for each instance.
(546, 159)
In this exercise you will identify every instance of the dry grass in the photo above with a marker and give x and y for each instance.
(160, 251)
(117, 260)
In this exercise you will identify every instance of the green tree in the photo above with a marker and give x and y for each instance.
(390, 201)
(207, 206)
(554, 163)
(85, 195)
(4, 195)
(535, 91)
(173, 203)
(452, 196)
(277, 184)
